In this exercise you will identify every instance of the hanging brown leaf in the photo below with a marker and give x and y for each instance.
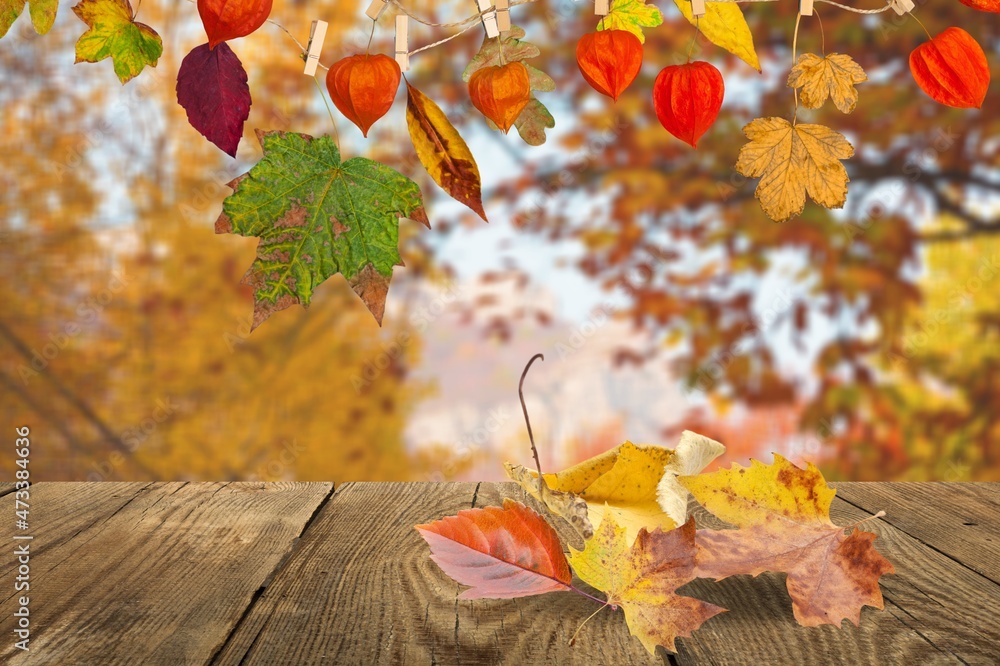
(443, 151)
(792, 161)
(830, 77)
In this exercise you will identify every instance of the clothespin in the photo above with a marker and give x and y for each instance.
(402, 51)
(503, 15)
(697, 7)
(805, 7)
(317, 34)
(601, 7)
(376, 8)
(901, 6)
(489, 18)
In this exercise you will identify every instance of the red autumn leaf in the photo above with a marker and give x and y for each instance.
(363, 87)
(687, 99)
(609, 60)
(983, 5)
(501, 92)
(952, 69)
(500, 553)
(212, 88)
(231, 19)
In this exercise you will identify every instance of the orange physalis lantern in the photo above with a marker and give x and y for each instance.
(501, 92)
(231, 19)
(609, 60)
(363, 87)
(952, 69)
(687, 99)
(983, 5)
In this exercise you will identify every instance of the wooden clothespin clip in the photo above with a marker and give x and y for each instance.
(316, 37)
(901, 6)
(805, 7)
(697, 7)
(503, 15)
(489, 18)
(402, 50)
(602, 7)
(376, 8)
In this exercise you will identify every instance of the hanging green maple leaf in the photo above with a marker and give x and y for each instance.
(317, 216)
(43, 14)
(631, 15)
(115, 34)
(535, 118)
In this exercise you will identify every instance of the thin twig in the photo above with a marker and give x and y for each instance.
(531, 438)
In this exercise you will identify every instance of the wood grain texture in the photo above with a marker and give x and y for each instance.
(962, 520)
(363, 590)
(936, 612)
(133, 573)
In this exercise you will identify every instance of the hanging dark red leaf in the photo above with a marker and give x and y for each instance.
(363, 87)
(609, 60)
(232, 19)
(687, 99)
(212, 88)
(952, 69)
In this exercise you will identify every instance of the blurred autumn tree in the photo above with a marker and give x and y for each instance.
(674, 236)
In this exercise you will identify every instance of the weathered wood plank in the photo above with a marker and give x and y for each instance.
(936, 612)
(6, 487)
(962, 520)
(361, 589)
(150, 573)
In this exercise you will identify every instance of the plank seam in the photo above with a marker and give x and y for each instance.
(918, 632)
(921, 541)
(259, 592)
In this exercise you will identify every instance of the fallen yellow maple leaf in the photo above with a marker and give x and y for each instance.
(642, 578)
(783, 516)
(792, 161)
(626, 480)
(831, 77)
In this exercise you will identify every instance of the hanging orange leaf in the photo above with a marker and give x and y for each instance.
(363, 87)
(232, 19)
(501, 92)
(443, 151)
(500, 553)
(687, 99)
(952, 69)
(983, 5)
(609, 60)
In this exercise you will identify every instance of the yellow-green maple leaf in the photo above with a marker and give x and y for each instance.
(631, 15)
(115, 34)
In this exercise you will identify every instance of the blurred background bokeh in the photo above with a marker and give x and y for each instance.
(865, 339)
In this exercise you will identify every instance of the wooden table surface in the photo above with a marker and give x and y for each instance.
(302, 573)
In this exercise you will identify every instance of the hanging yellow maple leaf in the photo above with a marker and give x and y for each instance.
(631, 15)
(783, 516)
(831, 77)
(642, 578)
(623, 482)
(792, 161)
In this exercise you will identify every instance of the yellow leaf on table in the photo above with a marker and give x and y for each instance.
(723, 25)
(622, 482)
(792, 161)
(782, 513)
(642, 578)
(830, 77)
